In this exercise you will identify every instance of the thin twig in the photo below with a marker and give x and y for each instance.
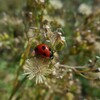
(71, 67)
(78, 72)
(16, 82)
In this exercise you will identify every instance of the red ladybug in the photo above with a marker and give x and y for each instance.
(44, 51)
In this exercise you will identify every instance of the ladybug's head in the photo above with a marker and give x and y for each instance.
(51, 54)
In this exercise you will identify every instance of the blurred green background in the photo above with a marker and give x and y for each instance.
(62, 13)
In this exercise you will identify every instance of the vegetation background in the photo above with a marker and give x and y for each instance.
(80, 23)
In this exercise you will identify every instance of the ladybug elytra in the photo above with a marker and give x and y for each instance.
(44, 51)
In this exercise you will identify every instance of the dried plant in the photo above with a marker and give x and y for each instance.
(61, 76)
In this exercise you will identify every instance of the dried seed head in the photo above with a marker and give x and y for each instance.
(37, 68)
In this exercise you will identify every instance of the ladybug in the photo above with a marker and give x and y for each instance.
(44, 51)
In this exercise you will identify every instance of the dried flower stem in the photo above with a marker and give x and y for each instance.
(78, 72)
(74, 68)
(16, 81)
(71, 67)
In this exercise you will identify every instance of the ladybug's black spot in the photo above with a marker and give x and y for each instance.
(36, 49)
(44, 54)
(43, 47)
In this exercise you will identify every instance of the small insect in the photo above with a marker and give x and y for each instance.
(44, 51)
